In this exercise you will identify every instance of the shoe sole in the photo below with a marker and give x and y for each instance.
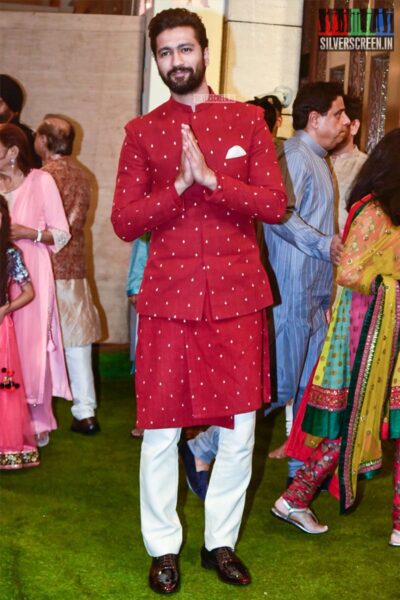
(85, 432)
(276, 513)
(157, 591)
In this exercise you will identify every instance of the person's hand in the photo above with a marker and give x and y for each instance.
(328, 315)
(3, 312)
(184, 178)
(20, 232)
(336, 249)
(201, 172)
(132, 299)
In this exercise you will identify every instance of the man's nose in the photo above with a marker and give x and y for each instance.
(177, 58)
(346, 119)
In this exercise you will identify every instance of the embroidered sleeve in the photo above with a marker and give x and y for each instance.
(61, 238)
(54, 217)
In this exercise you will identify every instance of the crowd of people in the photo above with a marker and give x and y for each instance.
(43, 251)
(199, 179)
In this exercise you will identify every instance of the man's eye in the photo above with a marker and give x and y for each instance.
(186, 50)
(163, 53)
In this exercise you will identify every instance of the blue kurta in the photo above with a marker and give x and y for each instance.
(299, 253)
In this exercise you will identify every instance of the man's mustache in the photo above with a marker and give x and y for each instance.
(179, 70)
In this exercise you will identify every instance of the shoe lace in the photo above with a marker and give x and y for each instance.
(167, 561)
(225, 554)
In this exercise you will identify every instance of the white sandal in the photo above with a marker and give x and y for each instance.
(395, 538)
(303, 518)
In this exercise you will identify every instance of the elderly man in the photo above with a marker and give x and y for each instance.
(79, 318)
(196, 172)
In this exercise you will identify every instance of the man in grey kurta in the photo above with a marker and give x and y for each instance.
(303, 248)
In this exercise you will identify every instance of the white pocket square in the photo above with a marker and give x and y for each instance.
(235, 152)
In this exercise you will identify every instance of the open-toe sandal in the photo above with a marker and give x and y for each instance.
(303, 518)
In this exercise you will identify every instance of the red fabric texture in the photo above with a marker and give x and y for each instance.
(199, 372)
(202, 239)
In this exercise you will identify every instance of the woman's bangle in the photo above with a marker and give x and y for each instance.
(38, 237)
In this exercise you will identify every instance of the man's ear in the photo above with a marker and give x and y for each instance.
(206, 56)
(354, 127)
(314, 119)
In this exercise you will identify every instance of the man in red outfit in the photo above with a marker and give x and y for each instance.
(196, 172)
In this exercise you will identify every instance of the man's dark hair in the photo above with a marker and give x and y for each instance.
(317, 96)
(353, 107)
(12, 93)
(59, 141)
(176, 17)
(270, 114)
(274, 100)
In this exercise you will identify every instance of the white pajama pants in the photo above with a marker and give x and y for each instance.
(224, 504)
(80, 374)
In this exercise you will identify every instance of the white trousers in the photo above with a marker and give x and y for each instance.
(224, 504)
(80, 373)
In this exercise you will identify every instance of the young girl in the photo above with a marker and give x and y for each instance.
(17, 440)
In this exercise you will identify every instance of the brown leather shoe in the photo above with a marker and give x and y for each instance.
(229, 567)
(87, 426)
(164, 574)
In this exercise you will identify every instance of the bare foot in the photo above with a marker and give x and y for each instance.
(278, 453)
(137, 433)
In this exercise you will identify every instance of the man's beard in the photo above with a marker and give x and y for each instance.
(187, 85)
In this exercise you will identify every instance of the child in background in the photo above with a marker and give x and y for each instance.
(17, 440)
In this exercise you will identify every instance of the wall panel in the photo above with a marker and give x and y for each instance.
(87, 67)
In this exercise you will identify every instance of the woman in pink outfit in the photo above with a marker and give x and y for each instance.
(38, 226)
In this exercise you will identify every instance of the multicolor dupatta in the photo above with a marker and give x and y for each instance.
(353, 402)
(370, 389)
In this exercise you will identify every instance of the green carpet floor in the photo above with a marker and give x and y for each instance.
(69, 530)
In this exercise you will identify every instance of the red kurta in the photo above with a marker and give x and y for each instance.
(202, 242)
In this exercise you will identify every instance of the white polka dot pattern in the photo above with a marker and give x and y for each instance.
(194, 373)
(202, 239)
